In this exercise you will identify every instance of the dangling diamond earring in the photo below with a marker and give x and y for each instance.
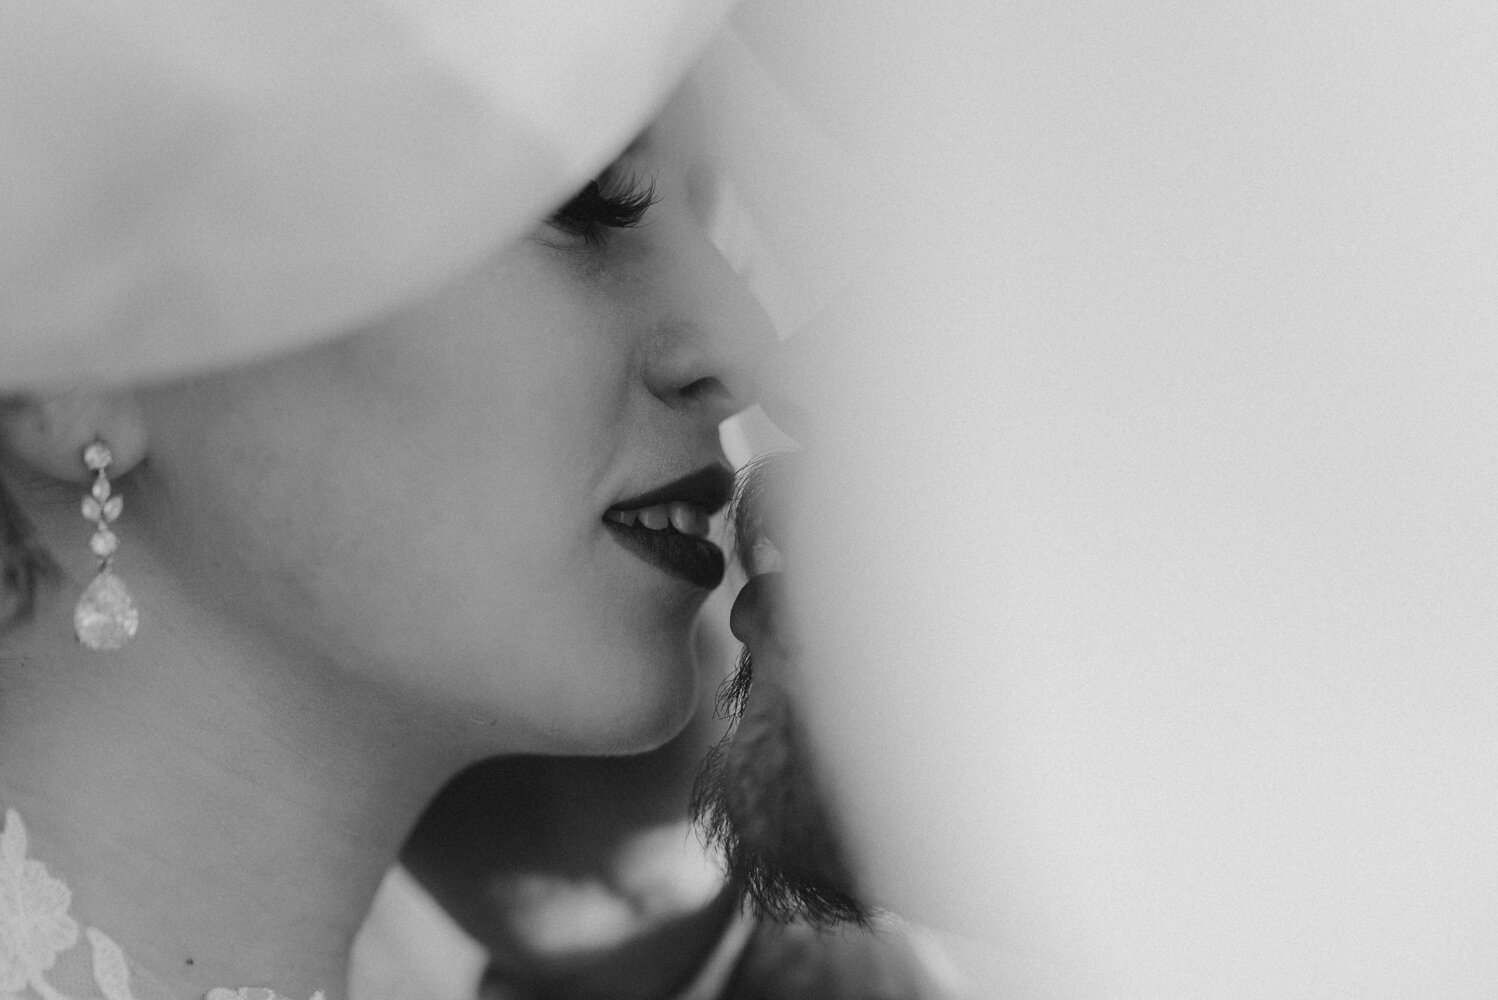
(106, 617)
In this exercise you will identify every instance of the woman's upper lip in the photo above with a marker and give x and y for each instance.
(710, 488)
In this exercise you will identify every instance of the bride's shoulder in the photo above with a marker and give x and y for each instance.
(47, 954)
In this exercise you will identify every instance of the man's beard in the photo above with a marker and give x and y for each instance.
(757, 798)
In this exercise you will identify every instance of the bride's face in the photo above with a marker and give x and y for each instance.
(427, 504)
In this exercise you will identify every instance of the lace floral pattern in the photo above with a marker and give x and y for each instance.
(36, 929)
(34, 924)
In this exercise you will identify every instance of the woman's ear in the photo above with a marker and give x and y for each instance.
(48, 431)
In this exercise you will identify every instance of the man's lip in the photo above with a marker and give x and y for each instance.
(709, 488)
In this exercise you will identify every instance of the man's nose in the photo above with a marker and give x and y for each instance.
(752, 619)
(704, 351)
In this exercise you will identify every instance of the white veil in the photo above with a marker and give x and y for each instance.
(192, 182)
(1151, 562)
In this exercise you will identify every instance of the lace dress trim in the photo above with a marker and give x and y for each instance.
(36, 930)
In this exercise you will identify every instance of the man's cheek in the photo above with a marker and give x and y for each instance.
(760, 758)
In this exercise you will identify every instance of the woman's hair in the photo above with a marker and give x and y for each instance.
(25, 565)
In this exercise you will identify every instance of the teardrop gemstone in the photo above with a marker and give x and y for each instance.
(106, 616)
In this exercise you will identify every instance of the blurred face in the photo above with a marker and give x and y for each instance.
(494, 500)
(759, 798)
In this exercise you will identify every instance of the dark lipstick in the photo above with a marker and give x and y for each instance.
(685, 556)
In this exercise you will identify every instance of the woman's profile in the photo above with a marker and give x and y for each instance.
(476, 525)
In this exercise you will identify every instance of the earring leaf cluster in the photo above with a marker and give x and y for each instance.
(106, 617)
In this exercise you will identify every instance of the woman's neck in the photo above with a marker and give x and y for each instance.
(224, 813)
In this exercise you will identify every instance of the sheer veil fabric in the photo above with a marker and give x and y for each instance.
(1149, 569)
(190, 184)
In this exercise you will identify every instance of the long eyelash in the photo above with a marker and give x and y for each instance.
(612, 201)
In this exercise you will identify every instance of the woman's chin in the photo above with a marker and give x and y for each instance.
(627, 711)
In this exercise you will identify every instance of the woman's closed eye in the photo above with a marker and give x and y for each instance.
(613, 200)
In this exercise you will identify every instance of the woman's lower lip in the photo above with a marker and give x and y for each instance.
(695, 560)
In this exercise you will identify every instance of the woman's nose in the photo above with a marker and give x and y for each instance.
(710, 337)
